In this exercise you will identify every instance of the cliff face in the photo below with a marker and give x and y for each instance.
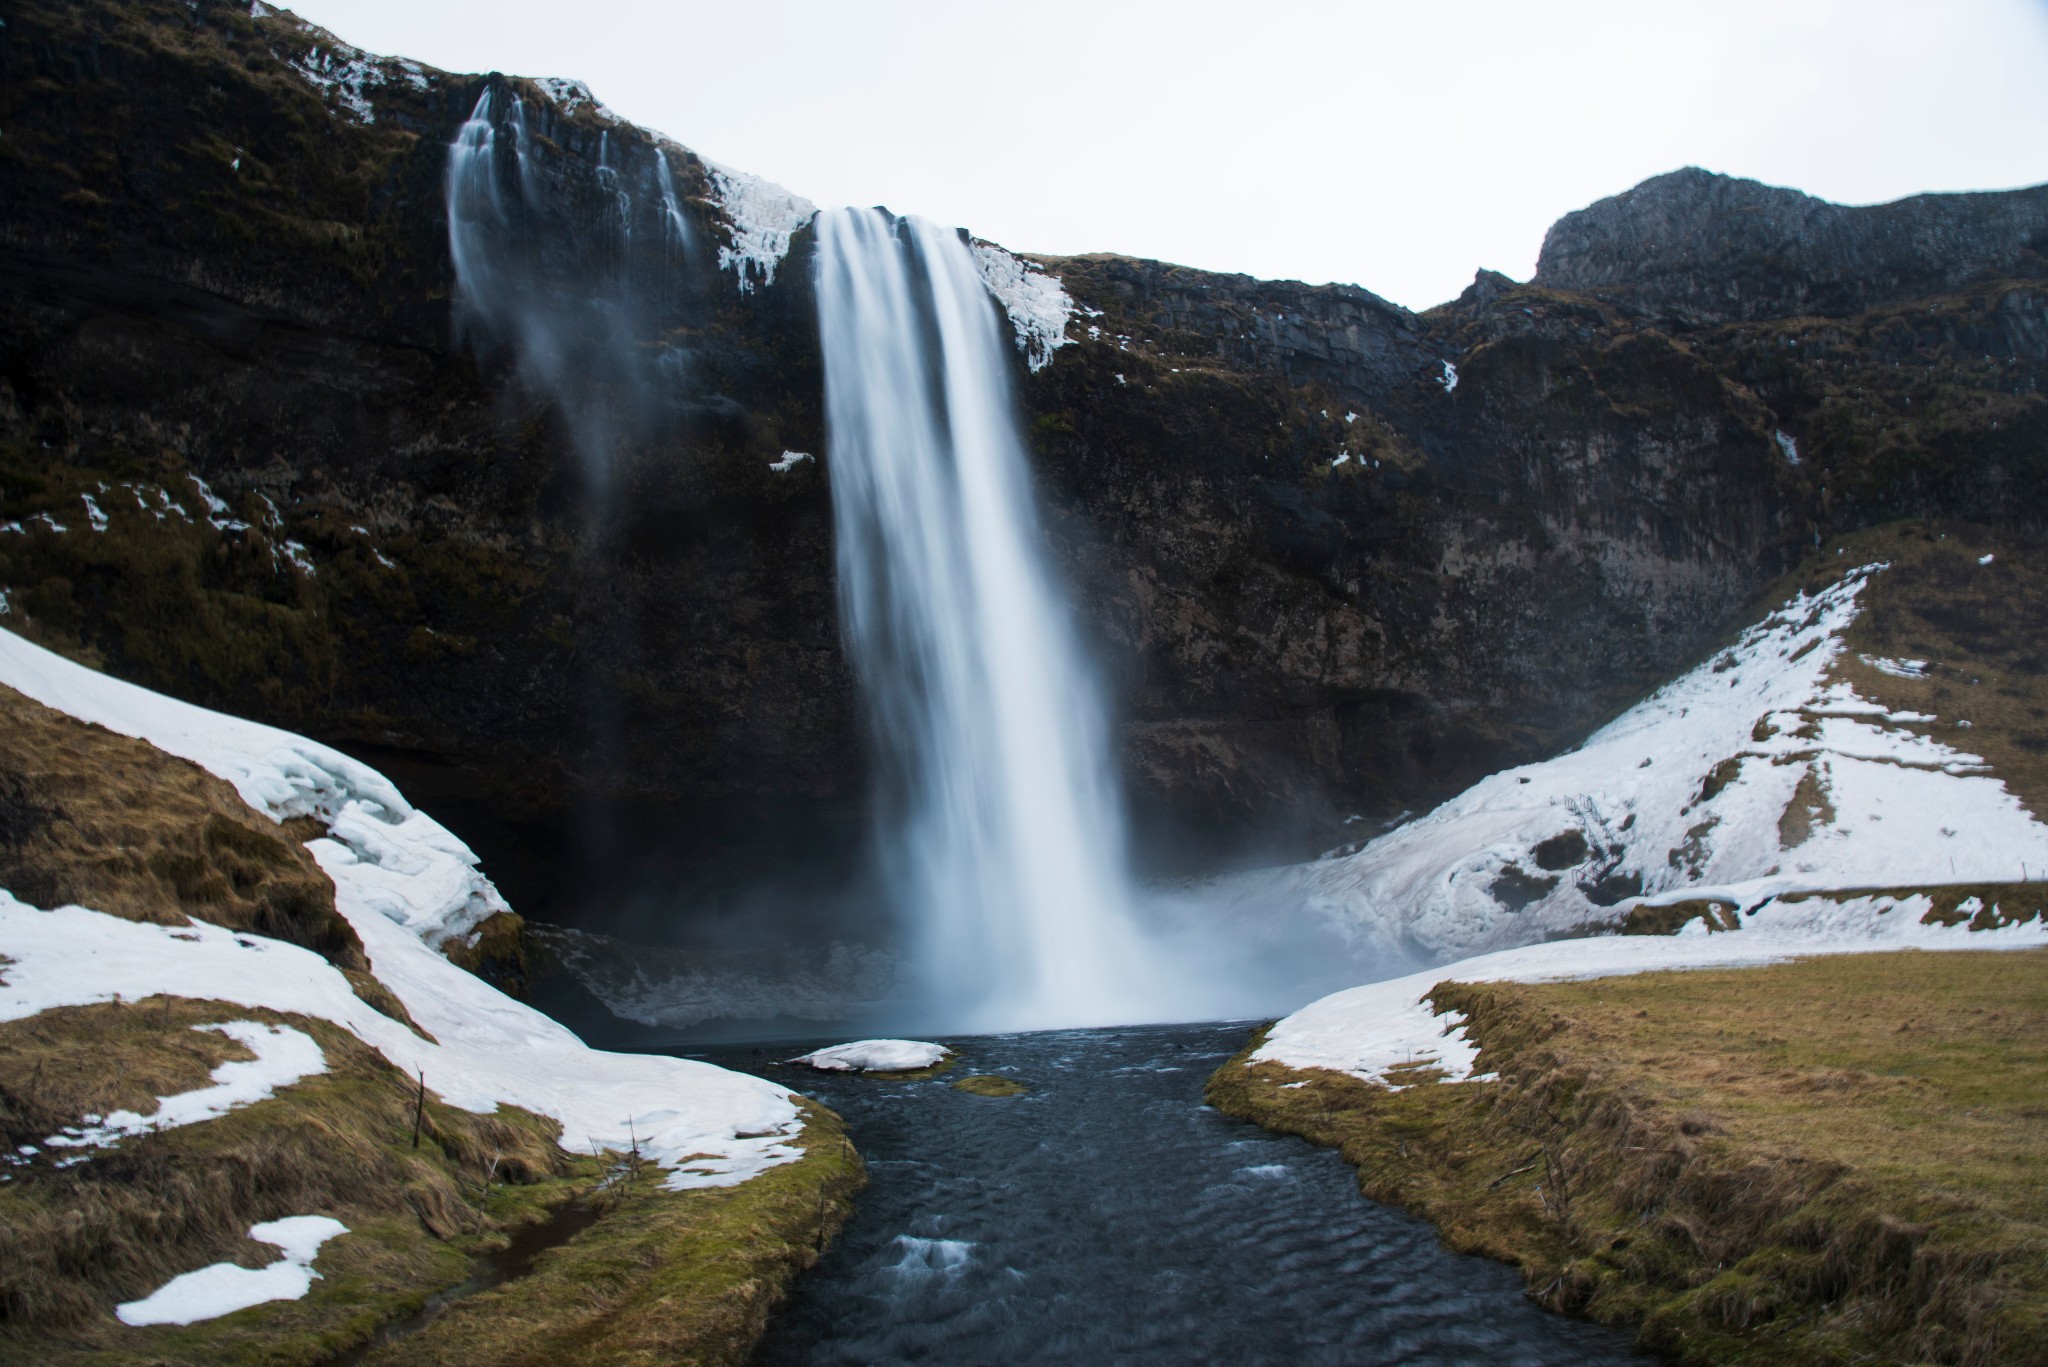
(1340, 558)
(1694, 247)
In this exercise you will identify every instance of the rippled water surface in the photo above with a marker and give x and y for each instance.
(1107, 1216)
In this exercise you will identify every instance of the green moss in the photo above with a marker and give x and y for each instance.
(989, 1084)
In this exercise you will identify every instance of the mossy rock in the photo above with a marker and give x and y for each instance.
(987, 1084)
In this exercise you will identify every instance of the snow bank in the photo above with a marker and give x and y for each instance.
(1038, 304)
(1683, 796)
(1368, 1030)
(225, 1288)
(570, 96)
(283, 1056)
(875, 1056)
(405, 883)
(762, 217)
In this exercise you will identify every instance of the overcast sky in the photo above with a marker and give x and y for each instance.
(1399, 147)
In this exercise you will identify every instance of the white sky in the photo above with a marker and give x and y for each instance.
(1396, 146)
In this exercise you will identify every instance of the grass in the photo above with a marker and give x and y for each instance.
(106, 821)
(1983, 629)
(663, 1277)
(76, 1241)
(1830, 1161)
(988, 1084)
(671, 1277)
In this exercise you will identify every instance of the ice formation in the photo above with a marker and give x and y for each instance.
(762, 217)
(1038, 304)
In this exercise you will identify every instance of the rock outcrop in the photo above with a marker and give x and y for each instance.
(1694, 247)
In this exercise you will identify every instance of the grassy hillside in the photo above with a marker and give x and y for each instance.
(432, 1194)
(1835, 1160)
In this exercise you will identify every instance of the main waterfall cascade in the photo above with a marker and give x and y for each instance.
(1000, 852)
(1002, 823)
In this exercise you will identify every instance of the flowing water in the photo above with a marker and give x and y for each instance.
(1108, 1216)
(1001, 816)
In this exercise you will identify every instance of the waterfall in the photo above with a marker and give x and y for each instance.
(542, 242)
(1002, 828)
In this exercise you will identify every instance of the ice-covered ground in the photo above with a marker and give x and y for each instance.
(1687, 795)
(1367, 1030)
(875, 1056)
(406, 884)
(224, 1288)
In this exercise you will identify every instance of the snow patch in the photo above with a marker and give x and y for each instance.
(761, 218)
(875, 1056)
(93, 515)
(217, 514)
(1985, 559)
(570, 96)
(342, 74)
(1787, 445)
(1898, 669)
(283, 1056)
(1038, 304)
(225, 1288)
(790, 460)
(1449, 379)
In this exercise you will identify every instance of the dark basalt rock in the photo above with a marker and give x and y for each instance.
(1695, 247)
(1325, 579)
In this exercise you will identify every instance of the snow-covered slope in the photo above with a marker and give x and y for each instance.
(1750, 776)
(1750, 782)
(405, 883)
(1368, 1030)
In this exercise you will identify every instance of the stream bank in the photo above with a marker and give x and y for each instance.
(1105, 1214)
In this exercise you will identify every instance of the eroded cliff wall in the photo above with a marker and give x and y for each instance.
(1341, 559)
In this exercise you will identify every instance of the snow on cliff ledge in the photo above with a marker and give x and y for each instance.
(1749, 777)
(404, 882)
(762, 217)
(1038, 304)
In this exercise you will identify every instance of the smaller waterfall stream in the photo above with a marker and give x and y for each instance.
(1003, 823)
